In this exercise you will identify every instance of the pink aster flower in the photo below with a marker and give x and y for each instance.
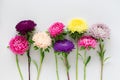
(18, 45)
(56, 29)
(87, 42)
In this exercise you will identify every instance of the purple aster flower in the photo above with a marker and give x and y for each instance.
(63, 46)
(25, 26)
(99, 31)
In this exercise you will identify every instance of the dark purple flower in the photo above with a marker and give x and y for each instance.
(25, 26)
(63, 46)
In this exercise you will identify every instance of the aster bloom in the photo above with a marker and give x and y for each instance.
(86, 43)
(64, 47)
(101, 32)
(25, 26)
(56, 29)
(76, 28)
(18, 45)
(43, 42)
(77, 25)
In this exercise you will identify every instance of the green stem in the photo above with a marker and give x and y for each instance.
(17, 62)
(41, 61)
(85, 65)
(56, 61)
(67, 67)
(76, 61)
(101, 58)
(101, 75)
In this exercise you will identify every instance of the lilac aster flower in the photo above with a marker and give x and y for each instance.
(63, 46)
(99, 31)
(25, 26)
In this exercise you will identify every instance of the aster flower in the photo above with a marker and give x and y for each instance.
(101, 32)
(56, 29)
(86, 43)
(43, 42)
(76, 28)
(65, 47)
(18, 45)
(25, 26)
(77, 25)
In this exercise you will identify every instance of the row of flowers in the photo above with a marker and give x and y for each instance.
(54, 38)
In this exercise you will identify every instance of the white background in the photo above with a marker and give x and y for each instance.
(44, 13)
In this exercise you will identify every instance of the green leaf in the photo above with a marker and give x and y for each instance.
(103, 52)
(49, 47)
(62, 58)
(88, 60)
(35, 63)
(31, 41)
(75, 35)
(82, 48)
(99, 54)
(47, 50)
(36, 48)
(69, 66)
(43, 54)
(106, 59)
(57, 53)
(80, 56)
(64, 33)
(8, 46)
(64, 54)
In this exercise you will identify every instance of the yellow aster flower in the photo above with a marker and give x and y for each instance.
(77, 25)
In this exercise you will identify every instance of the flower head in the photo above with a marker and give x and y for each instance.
(99, 31)
(87, 42)
(25, 26)
(56, 29)
(63, 46)
(19, 45)
(42, 40)
(77, 25)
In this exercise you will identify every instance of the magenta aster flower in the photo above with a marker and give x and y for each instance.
(87, 42)
(18, 45)
(56, 29)
(99, 31)
(63, 46)
(25, 26)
